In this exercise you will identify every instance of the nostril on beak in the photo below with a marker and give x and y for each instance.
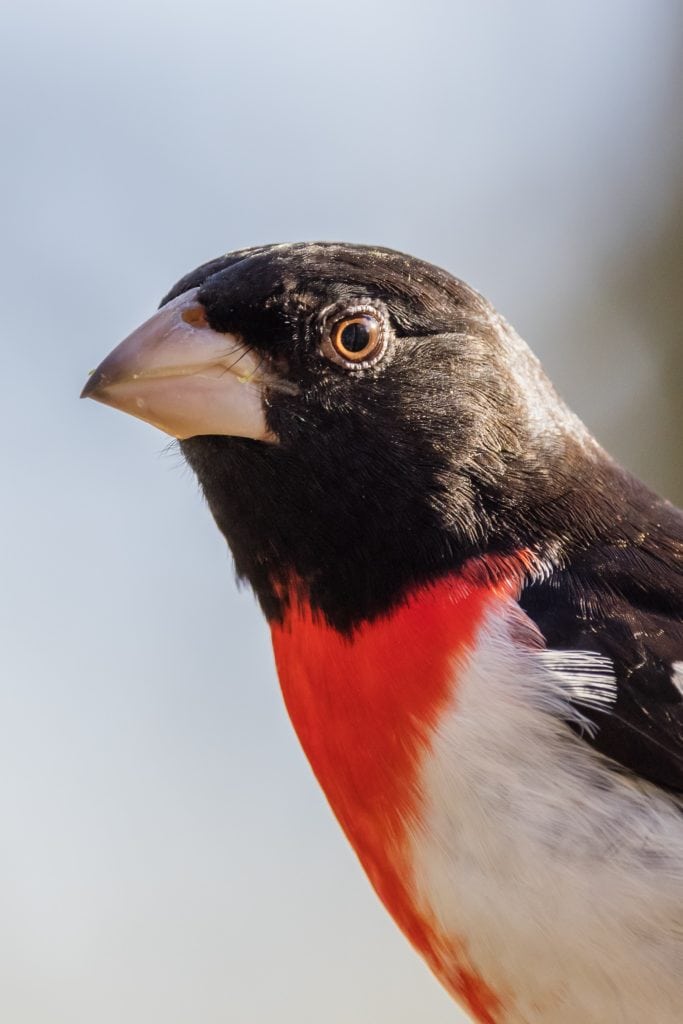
(195, 316)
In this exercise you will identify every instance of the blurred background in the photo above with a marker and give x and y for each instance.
(165, 854)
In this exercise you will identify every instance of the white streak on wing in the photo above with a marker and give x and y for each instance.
(585, 677)
(677, 676)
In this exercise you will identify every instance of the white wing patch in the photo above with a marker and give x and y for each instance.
(584, 677)
(677, 676)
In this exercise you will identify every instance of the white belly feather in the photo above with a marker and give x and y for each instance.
(561, 879)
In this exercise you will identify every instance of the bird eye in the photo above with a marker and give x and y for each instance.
(356, 340)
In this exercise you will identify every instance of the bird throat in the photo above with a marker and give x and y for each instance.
(365, 706)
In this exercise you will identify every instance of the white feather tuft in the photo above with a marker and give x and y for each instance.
(677, 676)
(585, 677)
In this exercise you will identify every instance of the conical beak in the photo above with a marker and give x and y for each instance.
(183, 377)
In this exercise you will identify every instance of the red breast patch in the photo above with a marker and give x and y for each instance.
(364, 707)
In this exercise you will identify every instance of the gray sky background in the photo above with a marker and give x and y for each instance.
(164, 853)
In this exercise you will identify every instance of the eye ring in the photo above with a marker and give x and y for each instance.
(356, 340)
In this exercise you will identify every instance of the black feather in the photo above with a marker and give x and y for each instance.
(453, 446)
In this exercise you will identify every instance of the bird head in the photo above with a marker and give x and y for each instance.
(360, 421)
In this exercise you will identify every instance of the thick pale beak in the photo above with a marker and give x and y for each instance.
(179, 374)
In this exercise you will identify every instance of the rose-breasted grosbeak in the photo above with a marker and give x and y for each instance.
(477, 615)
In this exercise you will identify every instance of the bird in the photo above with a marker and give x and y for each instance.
(476, 613)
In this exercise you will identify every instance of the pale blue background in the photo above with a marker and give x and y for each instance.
(165, 855)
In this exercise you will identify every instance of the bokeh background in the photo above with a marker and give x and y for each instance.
(164, 852)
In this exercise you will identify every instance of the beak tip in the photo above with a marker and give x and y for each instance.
(94, 384)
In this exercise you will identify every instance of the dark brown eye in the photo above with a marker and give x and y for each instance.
(357, 339)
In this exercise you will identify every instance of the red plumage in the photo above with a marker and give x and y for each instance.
(364, 707)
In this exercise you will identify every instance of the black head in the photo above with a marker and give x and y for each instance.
(361, 422)
(412, 428)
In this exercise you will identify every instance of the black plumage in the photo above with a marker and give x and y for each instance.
(452, 447)
(408, 470)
